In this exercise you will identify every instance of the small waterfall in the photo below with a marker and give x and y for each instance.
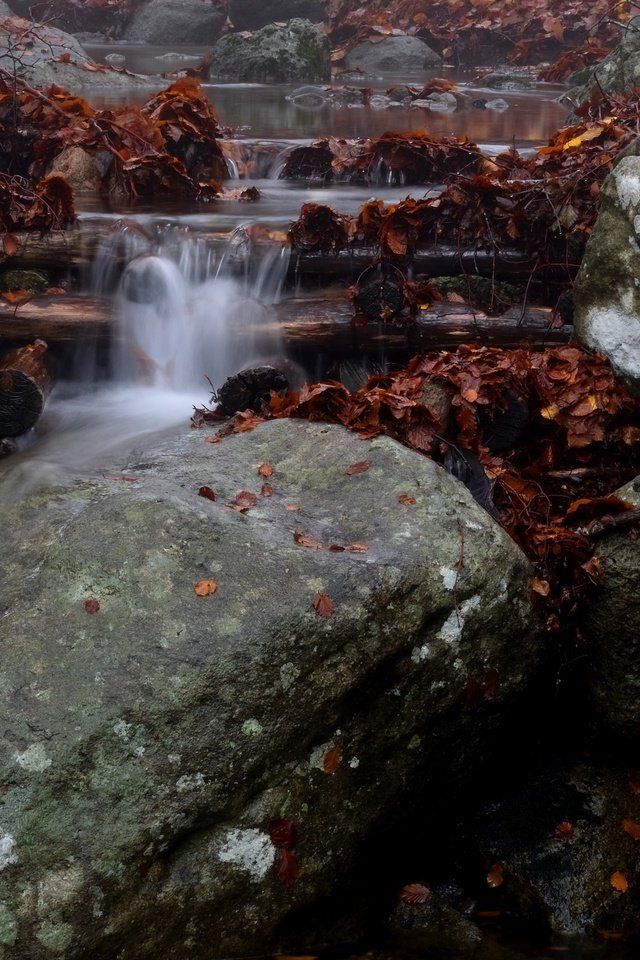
(185, 319)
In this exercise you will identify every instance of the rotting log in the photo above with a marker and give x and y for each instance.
(25, 382)
(305, 322)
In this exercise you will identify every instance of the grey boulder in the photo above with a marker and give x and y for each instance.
(606, 293)
(392, 55)
(297, 50)
(176, 21)
(620, 69)
(153, 740)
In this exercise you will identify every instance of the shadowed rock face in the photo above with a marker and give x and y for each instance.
(150, 735)
(298, 50)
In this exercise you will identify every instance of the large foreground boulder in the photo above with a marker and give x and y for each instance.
(175, 22)
(606, 292)
(201, 696)
(392, 56)
(297, 50)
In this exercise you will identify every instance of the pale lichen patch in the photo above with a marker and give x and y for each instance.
(8, 853)
(252, 727)
(250, 850)
(194, 781)
(34, 758)
(316, 758)
(449, 577)
(56, 937)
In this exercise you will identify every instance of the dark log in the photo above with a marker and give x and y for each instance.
(24, 384)
(320, 321)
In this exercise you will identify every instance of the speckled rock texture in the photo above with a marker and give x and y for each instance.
(148, 745)
(297, 50)
(560, 840)
(620, 69)
(606, 291)
(614, 632)
(175, 22)
(392, 56)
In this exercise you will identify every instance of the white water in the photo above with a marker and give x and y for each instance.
(183, 325)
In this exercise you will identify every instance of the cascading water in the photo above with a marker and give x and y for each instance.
(183, 323)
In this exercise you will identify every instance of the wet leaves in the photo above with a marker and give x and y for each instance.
(207, 493)
(265, 470)
(564, 830)
(332, 760)
(323, 605)
(406, 499)
(304, 541)
(360, 467)
(632, 828)
(205, 588)
(91, 605)
(283, 835)
(243, 501)
(495, 877)
(619, 882)
(414, 893)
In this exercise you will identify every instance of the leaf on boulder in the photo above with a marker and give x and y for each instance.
(323, 605)
(205, 588)
(414, 893)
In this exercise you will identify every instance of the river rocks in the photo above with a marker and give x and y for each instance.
(249, 15)
(172, 755)
(565, 846)
(83, 170)
(614, 632)
(606, 293)
(35, 282)
(620, 70)
(43, 55)
(299, 50)
(176, 21)
(393, 55)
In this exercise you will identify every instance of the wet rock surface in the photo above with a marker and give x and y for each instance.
(620, 70)
(393, 55)
(606, 294)
(175, 22)
(298, 50)
(151, 735)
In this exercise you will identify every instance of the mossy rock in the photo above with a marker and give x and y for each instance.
(35, 282)
(299, 50)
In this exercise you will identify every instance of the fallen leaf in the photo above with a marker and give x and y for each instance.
(91, 605)
(293, 507)
(16, 296)
(323, 605)
(414, 893)
(287, 868)
(125, 478)
(495, 877)
(244, 501)
(540, 586)
(619, 882)
(214, 439)
(634, 787)
(331, 759)
(336, 548)
(358, 467)
(632, 828)
(206, 492)
(406, 500)
(304, 541)
(265, 470)
(204, 588)
(266, 490)
(10, 244)
(282, 833)
(357, 547)
(564, 830)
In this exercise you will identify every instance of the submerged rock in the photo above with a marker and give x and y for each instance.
(606, 293)
(181, 773)
(297, 50)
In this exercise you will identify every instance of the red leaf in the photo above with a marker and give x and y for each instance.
(10, 244)
(632, 828)
(304, 541)
(406, 500)
(125, 478)
(266, 490)
(323, 605)
(495, 877)
(206, 492)
(564, 830)
(287, 869)
(414, 893)
(204, 588)
(357, 547)
(283, 833)
(91, 605)
(265, 470)
(244, 501)
(331, 760)
(358, 467)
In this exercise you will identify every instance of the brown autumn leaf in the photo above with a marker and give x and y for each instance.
(495, 876)
(16, 296)
(244, 501)
(204, 588)
(304, 541)
(619, 882)
(331, 760)
(266, 490)
(207, 493)
(10, 244)
(564, 830)
(214, 439)
(540, 586)
(632, 828)
(287, 867)
(357, 547)
(293, 507)
(414, 893)
(122, 477)
(265, 470)
(336, 548)
(282, 833)
(358, 467)
(406, 500)
(91, 605)
(323, 605)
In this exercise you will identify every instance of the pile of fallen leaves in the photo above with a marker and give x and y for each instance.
(472, 31)
(540, 437)
(542, 207)
(166, 147)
